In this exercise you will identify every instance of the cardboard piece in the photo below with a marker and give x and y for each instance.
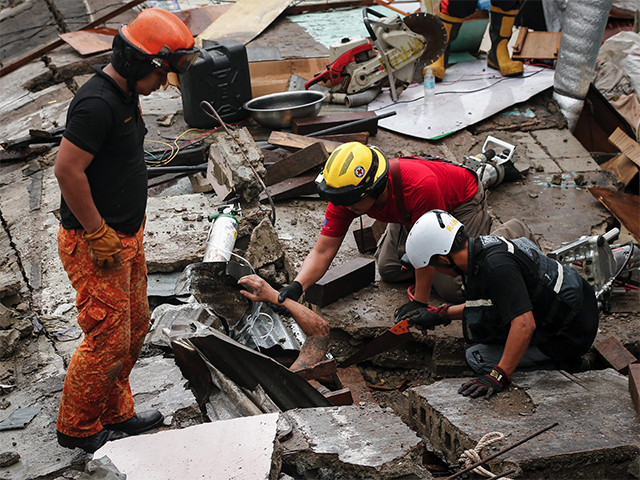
(273, 76)
(626, 145)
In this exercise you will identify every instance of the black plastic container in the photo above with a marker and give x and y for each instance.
(221, 77)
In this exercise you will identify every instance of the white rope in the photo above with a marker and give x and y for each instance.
(469, 457)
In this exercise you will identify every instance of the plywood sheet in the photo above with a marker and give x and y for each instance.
(198, 19)
(272, 77)
(88, 42)
(244, 20)
(623, 206)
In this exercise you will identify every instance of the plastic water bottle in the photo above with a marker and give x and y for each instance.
(429, 87)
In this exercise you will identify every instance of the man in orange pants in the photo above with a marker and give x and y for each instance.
(503, 14)
(102, 175)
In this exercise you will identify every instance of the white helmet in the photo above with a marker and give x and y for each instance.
(433, 234)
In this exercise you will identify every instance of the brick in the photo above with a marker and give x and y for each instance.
(614, 353)
(307, 125)
(634, 386)
(297, 163)
(351, 378)
(340, 397)
(292, 187)
(340, 281)
(319, 370)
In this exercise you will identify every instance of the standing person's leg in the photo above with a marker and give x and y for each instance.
(119, 407)
(475, 217)
(503, 15)
(103, 306)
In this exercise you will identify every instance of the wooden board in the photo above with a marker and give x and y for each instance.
(244, 21)
(198, 19)
(351, 378)
(292, 188)
(289, 140)
(621, 167)
(88, 42)
(273, 76)
(615, 354)
(634, 386)
(627, 145)
(537, 45)
(307, 125)
(623, 206)
(297, 163)
(319, 370)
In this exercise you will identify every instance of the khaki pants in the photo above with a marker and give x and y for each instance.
(477, 221)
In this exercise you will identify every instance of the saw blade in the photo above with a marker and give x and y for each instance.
(432, 29)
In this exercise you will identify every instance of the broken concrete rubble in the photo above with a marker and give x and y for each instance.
(598, 435)
(351, 442)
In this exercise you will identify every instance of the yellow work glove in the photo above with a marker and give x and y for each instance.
(105, 244)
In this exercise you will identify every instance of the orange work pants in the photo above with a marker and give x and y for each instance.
(113, 312)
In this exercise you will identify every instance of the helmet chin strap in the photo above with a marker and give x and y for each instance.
(454, 266)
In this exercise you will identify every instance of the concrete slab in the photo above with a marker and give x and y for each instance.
(352, 442)
(565, 149)
(239, 448)
(556, 213)
(598, 435)
(527, 147)
(176, 230)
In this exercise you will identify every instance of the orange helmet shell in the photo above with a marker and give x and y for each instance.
(155, 28)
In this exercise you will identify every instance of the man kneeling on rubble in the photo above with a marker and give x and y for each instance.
(314, 327)
(522, 308)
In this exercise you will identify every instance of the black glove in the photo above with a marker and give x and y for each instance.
(292, 291)
(488, 384)
(403, 312)
(429, 317)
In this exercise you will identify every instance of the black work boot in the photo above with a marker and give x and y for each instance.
(501, 24)
(452, 25)
(139, 423)
(575, 365)
(91, 443)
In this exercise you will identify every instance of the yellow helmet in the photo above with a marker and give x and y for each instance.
(352, 172)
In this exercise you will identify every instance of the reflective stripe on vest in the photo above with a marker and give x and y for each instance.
(478, 303)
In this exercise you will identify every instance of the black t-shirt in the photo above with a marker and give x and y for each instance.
(106, 121)
(510, 285)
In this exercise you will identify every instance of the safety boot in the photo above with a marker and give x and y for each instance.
(500, 34)
(452, 25)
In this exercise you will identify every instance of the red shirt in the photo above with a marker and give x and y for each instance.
(427, 185)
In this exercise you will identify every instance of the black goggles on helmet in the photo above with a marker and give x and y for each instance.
(179, 61)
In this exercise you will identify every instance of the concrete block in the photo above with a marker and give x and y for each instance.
(352, 442)
(340, 281)
(238, 448)
(8, 342)
(598, 435)
(634, 386)
(7, 317)
(264, 245)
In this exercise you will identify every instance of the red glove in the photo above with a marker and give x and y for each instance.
(486, 385)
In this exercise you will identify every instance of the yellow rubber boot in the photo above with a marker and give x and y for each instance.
(452, 25)
(500, 33)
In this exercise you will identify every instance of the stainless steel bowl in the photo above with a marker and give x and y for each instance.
(277, 109)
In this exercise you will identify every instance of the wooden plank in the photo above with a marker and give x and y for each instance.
(53, 45)
(622, 167)
(351, 378)
(88, 42)
(634, 386)
(538, 46)
(319, 370)
(289, 140)
(626, 144)
(307, 125)
(614, 353)
(324, 6)
(198, 19)
(362, 137)
(244, 21)
(297, 163)
(623, 206)
(292, 187)
(340, 397)
(340, 281)
(272, 76)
